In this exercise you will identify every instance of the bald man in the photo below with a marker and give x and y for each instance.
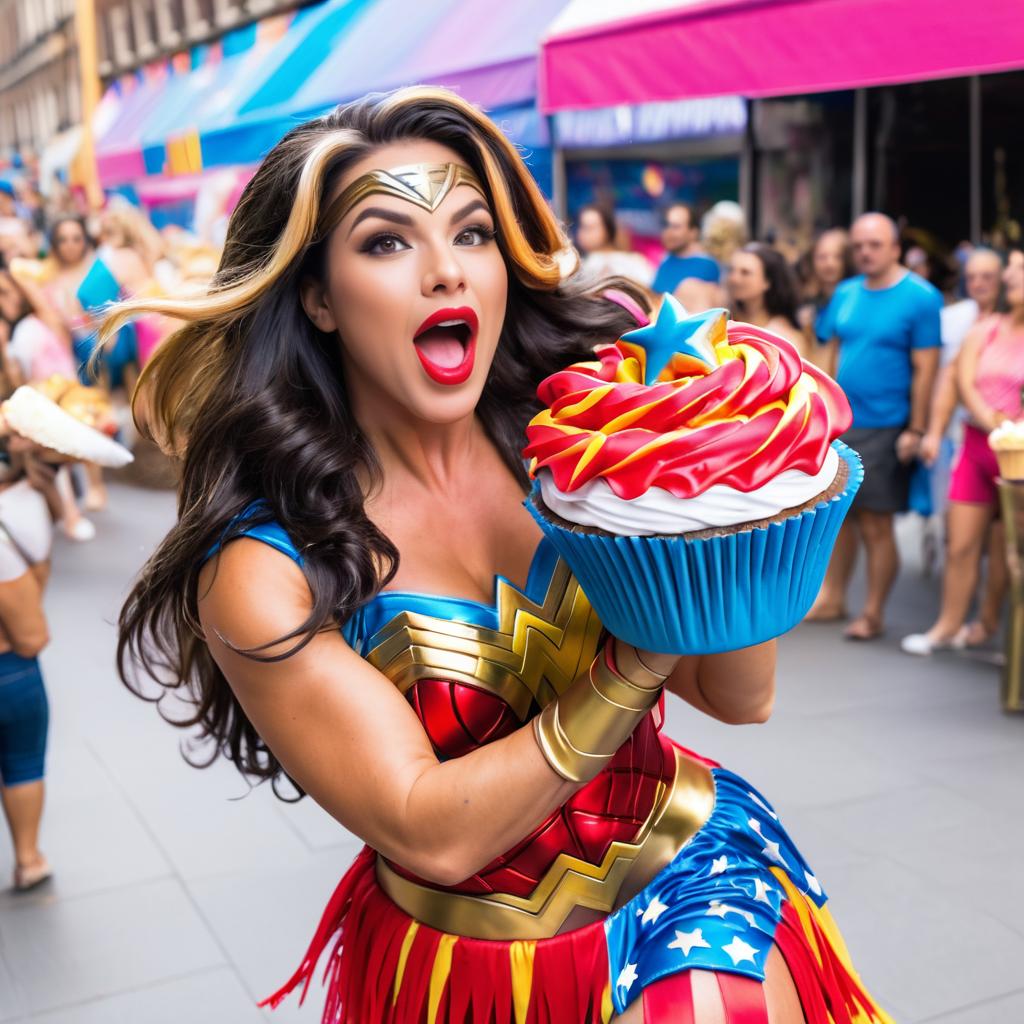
(885, 323)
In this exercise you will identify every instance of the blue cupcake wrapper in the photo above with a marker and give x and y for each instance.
(676, 596)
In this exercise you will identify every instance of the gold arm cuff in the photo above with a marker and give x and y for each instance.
(582, 730)
(683, 806)
(618, 690)
(629, 666)
(565, 760)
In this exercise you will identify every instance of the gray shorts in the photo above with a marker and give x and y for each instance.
(886, 486)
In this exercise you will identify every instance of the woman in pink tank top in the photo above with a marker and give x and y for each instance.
(990, 379)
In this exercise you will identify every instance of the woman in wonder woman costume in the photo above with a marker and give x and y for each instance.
(350, 401)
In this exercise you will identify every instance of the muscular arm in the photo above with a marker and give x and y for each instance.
(736, 687)
(351, 740)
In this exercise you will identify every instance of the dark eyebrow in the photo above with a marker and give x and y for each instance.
(405, 221)
(470, 207)
(376, 211)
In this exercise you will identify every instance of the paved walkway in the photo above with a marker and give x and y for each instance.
(181, 897)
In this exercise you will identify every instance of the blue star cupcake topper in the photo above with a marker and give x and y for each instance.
(675, 331)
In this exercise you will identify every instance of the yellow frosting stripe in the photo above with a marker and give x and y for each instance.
(520, 955)
(403, 958)
(439, 975)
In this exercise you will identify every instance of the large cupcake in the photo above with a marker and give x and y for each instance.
(692, 480)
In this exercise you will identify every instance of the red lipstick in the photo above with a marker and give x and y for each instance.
(446, 344)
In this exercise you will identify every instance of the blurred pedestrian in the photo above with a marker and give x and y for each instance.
(37, 339)
(723, 231)
(990, 378)
(885, 323)
(919, 262)
(684, 257)
(763, 291)
(25, 539)
(596, 231)
(35, 346)
(828, 262)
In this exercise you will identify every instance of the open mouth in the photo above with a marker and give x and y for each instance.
(446, 345)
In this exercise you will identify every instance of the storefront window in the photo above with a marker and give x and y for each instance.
(803, 147)
(1002, 159)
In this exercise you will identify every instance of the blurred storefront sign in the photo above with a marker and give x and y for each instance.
(651, 122)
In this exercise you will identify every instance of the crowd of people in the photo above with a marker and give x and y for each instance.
(58, 271)
(929, 374)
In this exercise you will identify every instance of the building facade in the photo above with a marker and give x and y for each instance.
(40, 85)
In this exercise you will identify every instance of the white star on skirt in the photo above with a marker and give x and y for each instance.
(654, 910)
(739, 950)
(627, 976)
(687, 940)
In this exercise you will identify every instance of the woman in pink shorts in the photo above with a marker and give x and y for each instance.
(990, 379)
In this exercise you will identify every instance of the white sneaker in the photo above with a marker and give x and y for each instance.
(81, 531)
(922, 644)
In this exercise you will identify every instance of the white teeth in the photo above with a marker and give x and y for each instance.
(451, 323)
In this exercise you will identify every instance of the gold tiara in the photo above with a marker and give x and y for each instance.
(426, 185)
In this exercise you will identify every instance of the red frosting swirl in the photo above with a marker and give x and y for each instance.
(759, 411)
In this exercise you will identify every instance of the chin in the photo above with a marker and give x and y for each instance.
(430, 405)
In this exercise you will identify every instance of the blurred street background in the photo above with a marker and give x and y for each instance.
(723, 151)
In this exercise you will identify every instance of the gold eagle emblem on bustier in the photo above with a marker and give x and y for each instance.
(534, 655)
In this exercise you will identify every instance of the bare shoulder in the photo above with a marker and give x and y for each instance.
(250, 593)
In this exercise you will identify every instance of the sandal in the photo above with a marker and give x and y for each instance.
(27, 879)
(863, 628)
(974, 634)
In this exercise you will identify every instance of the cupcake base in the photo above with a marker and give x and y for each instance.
(712, 591)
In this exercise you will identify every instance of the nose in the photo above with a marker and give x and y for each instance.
(443, 273)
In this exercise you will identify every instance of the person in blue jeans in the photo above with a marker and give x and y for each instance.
(884, 326)
(25, 537)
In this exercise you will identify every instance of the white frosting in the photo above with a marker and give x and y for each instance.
(658, 512)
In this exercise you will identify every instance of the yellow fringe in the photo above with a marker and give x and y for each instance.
(439, 975)
(607, 1007)
(871, 1012)
(403, 958)
(520, 955)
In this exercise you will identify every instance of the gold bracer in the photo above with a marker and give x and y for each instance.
(581, 731)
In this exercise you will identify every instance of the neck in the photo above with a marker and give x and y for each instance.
(1017, 316)
(416, 456)
(690, 249)
(754, 312)
(886, 278)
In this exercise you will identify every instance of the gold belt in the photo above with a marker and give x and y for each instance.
(680, 809)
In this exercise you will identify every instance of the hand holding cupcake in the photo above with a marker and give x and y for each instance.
(691, 479)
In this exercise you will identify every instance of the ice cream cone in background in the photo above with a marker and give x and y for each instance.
(1007, 441)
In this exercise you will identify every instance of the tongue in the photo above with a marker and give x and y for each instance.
(441, 347)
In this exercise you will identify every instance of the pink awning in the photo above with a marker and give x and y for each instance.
(603, 54)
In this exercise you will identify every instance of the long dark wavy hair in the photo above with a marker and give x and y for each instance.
(251, 396)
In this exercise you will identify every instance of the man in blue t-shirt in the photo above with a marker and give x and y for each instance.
(685, 259)
(885, 325)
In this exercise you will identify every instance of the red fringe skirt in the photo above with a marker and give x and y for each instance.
(387, 968)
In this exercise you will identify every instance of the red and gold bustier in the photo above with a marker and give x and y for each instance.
(470, 684)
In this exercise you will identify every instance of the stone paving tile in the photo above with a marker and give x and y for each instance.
(218, 992)
(1007, 1010)
(266, 919)
(90, 834)
(75, 950)
(919, 950)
